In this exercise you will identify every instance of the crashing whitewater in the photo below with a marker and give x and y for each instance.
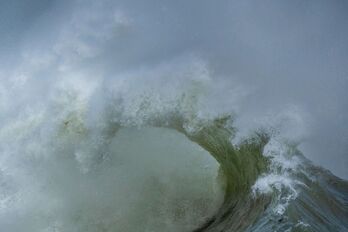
(150, 162)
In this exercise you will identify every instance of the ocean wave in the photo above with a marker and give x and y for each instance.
(155, 164)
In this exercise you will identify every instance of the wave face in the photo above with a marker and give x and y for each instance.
(157, 165)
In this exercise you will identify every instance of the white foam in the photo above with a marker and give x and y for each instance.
(279, 180)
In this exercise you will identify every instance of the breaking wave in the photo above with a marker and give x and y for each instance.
(153, 163)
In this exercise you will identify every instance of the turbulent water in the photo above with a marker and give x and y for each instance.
(171, 116)
(157, 166)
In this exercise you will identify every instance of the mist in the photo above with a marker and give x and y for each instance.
(280, 64)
